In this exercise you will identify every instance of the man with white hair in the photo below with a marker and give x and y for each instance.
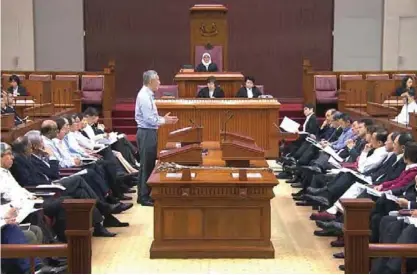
(148, 120)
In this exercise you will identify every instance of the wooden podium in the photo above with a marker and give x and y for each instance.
(208, 27)
(186, 155)
(187, 135)
(230, 136)
(239, 154)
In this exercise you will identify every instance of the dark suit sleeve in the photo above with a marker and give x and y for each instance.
(200, 68)
(22, 91)
(241, 92)
(201, 93)
(213, 67)
(53, 171)
(221, 93)
(257, 93)
(413, 205)
(398, 91)
(313, 127)
(10, 89)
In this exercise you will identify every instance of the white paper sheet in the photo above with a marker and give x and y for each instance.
(289, 125)
(177, 175)
(181, 130)
(358, 175)
(248, 175)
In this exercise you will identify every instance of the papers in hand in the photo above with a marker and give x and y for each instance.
(180, 130)
(391, 197)
(249, 175)
(289, 125)
(332, 153)
(373, 192)
(51, 186)
(177, 175)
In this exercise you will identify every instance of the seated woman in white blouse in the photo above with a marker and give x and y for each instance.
(249, 90)
(410, 106)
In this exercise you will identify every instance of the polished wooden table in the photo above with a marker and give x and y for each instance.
(230, 82)
(251, 117)
(213, 215)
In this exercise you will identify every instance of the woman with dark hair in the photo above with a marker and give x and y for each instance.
(16, 87)
(212, 90)
(249, 90)
(406, 84)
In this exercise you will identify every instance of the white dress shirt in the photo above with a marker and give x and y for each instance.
(11, 189)
(211, 94)
(404, 117)
(146, 113)
(366, 163)
(305, 122)
(250, 92)
(86, 142)
(15, 91)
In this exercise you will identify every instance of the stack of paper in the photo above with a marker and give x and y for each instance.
(248, 175)
(289, 125)
(177, 175)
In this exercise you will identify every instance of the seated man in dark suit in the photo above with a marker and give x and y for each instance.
(249, 90)
(206, 65)
(212, 90)
(16, 88)
(7, 107)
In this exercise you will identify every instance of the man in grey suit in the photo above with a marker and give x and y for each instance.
(148, 120)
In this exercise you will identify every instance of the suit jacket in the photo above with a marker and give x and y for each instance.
(391, 173)
(312, 126)
(243, 92)
(403, 180)
(336, 134)
(51, 171)
(325, 133)
(408, 192)
(20, 90)
(25, 173)
(211, 68)
(355, 152)
(204, 93)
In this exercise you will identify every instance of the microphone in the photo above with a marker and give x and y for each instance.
(192, 122)
(225, 124)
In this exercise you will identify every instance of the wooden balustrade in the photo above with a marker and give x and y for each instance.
(79, 231)
(358, 251)
(62, 92)
(376, 90)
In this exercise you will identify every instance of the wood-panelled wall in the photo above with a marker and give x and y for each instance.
(267, 39)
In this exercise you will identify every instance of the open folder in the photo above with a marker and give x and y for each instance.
(289, 125)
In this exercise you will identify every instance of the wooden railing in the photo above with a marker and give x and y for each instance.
(78, 249)
(382, 87)
(358, 251)
(53, 91)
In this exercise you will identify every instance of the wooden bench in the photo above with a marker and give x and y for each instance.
(358, 251)
(78, 248)
(58, 89)
(382, 88)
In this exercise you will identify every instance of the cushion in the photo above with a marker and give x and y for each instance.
(167, 90)
(325, 83)
(401, 76)
(92, 82)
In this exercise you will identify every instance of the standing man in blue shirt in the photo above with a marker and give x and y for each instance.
(148, 120)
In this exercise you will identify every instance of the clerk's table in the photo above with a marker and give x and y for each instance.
(214, 214)
(250, 117)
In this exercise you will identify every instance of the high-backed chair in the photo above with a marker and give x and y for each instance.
(216, 54)
(377, 76)
(69, 77)
(92, 89)
(167, 91)
(401, 76)
(325, 88)
(40, 77)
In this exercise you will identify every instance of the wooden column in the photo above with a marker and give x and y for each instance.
(79, 232)
(308, 83)
(356, 234)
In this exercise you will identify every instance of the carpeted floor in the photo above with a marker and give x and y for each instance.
(296, 249)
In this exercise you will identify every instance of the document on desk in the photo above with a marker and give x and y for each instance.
(248, 175)
(289, 125)
(177, 175)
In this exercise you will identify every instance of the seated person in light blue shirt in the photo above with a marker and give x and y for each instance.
(348, 133)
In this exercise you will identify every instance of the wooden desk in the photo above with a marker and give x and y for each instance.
(213, 215)
(188, 82)
(252, 117)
